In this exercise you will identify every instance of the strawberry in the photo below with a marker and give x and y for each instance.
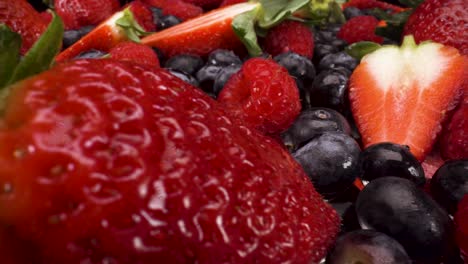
(120, 27)
(232, 2)
(443, 21)
(263, 95)
(124, 163)
(78, 13)
(360, 28)
(207, 4)
(178, 8)
(461, 220)
(143, 15)
(201, 35)
(370, 4)
(21, 17)
(290, 36)
(454, 139)
(401, 95)
(138, 53)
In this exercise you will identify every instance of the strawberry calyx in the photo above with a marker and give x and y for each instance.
(38, 59)
(133, 30)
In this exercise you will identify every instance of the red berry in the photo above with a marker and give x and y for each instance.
(123, 163)
(46, 16)
(232, 2)
(143, 15)
(263, 95)
(454, 140)
(443, 21)
(290, 36)
(369, 4)
(78, 13)
(21, 17)
(138, 53)
(461, 221)
(360, 28)
(207, 4)
(177, 8)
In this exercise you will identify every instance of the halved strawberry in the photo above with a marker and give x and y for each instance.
(120, 27)
(402, 94)
(201, 35)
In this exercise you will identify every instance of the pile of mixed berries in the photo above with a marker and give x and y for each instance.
(234, 131)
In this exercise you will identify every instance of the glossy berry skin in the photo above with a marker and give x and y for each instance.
(263, 95)
(312, 122)
(350, 12)
(454, 138)
(440, 21)
(91, 54)
(398, 208)
(135, 52)
(330, 89)
(331, 160)
(177, 8)
(461, 221)
(79, 13)
(290, 36)
(206, 76)
(367, 246)
(388, 159)
(223, 77)
(70, 37)
(337, 60)
(185, 62)
(168, 21)
(223, 57)
(128, 164)
(361, 28)
(184, 77)
(450, 183)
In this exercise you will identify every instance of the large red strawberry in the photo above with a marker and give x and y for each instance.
(79, 13)
(443, 21)
(109, 162)
(179, 8)
(369, 4)
(21, 17)
(454, 139)
(402, 94)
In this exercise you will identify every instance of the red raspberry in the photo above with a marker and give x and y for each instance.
(79, 13)
(134, 52)
(290, 36)
(232, 2)
(369, 4)
(177, 8)
(208, 4)
(454, 140)
(361, 28)
(461, 221)
(263, 94)
(143, 15)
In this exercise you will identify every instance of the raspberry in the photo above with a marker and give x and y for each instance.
(290, 36)
(134, 52)
(177, 8)
(454, 140)
(232, 2)
(361, 28)
(263, 94)
(143, 15)
(369, 4)
(461, 221)
(79, 13)
(208, 4)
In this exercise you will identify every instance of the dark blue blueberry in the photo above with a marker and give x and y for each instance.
(389, 159)
(185, 62)
(323, 49)
(339, 59)
(223, 58)
(331, 160)
(339, 44)
(324, 36)
(184, 77)
(70, 37)
(347, 213)
(85, 30)
(91, 54)
(159, 53)
(223, 76)
(330, 89)
(450, 183)
(312, 122)
(168, 21)
(351, 12)
(157, 14)
(398, 208)
(367, 247)
(206, 77)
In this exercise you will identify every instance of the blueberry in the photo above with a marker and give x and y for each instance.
(389, 159)
(331, 160)
(159, 53)
(339, 59)
(398, 208)
(184, 77)
(223, 76)
(91, 54)
(70, 37)
(85, 30)
(347, 213)
(367, 246)
(165, 22)
(450, 183)
(186, 62)
(223, 58)
(206, 77)
(330, 89)
(39, 5)
(312, 122)
(351, 12)
(157, 14)
(322, 50)
(324, 36)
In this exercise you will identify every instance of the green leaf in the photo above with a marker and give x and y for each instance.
(10, 45)
(275, 11)
(41, 56)
(360, 49)
(411, 3)
(336, 16)
(244, 27)
(395, 24)
(132, 29)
